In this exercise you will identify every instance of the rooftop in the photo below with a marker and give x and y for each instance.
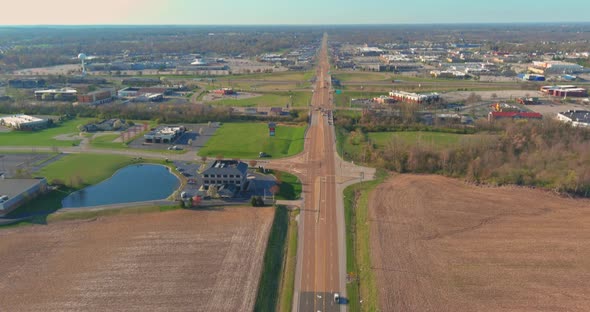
(14, 187)
(227, 165)
(578, 115)
(20, 119)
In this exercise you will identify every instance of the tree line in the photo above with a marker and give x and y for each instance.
(547, 154)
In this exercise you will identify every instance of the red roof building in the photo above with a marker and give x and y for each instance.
(514, 115)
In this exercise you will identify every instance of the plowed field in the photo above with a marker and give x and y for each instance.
(173, 261)
(441, 245)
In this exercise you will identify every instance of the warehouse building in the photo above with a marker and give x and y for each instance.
(565, 91)
(15, 192)
(23, 122)
(65, 94)
(97, 97)
(408, 97)
(558, 67)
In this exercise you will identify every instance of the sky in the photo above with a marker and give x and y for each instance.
(315, 12)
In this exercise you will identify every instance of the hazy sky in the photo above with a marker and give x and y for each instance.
(209, 12)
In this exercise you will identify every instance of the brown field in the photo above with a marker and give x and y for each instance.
(441, 245)
(173, 261)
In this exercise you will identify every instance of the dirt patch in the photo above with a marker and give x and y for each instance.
(174, 261)
(210, 97)
(441, 245)
(68, 137)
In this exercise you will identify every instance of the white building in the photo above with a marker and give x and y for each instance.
(577, 118)
(413, 97)
(23, 122)
(165, 134)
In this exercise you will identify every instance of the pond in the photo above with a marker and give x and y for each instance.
(134, 183)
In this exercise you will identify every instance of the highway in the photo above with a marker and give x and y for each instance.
(319, 262)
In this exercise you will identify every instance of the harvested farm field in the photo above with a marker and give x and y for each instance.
(171, 261)
(438, 244)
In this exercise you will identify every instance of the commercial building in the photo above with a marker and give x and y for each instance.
(165, 134)
(558, 67)
(577, 118)
(448, 74)
(225, 172)
(23, 122)
(152, 94)
(565, 91)
(65, 94)
(225, 91)
(370, 51)
(128, 92)
(26, 83)
(97, 97)
(15, 192)
(408, 97)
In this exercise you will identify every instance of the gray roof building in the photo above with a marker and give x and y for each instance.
(225, 172)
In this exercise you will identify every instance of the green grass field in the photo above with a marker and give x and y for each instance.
(90, 168)
(44, 137)
(344, 99)
(279, 76)
(290, 187)
(434, 139)
(106, 141)
(346, 76)
(246, 140)
(271, 99)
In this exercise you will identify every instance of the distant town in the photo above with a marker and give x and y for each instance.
(295, 168)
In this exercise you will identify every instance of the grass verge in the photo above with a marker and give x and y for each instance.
(361, 284)
(270, 283)
(89, 214)
(289, 267)
(290, 187)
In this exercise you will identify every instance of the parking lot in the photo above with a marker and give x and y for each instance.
(11, 163)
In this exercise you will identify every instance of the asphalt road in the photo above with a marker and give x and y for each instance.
(319, 274)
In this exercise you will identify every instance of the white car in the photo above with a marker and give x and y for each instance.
(337, 297)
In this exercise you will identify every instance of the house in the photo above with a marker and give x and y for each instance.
(221, 173)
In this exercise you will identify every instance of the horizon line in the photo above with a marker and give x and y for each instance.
(289, 24)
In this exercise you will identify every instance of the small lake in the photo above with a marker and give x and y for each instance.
(134, 183)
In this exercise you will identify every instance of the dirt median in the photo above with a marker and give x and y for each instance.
(441, 245)
(173, 261)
